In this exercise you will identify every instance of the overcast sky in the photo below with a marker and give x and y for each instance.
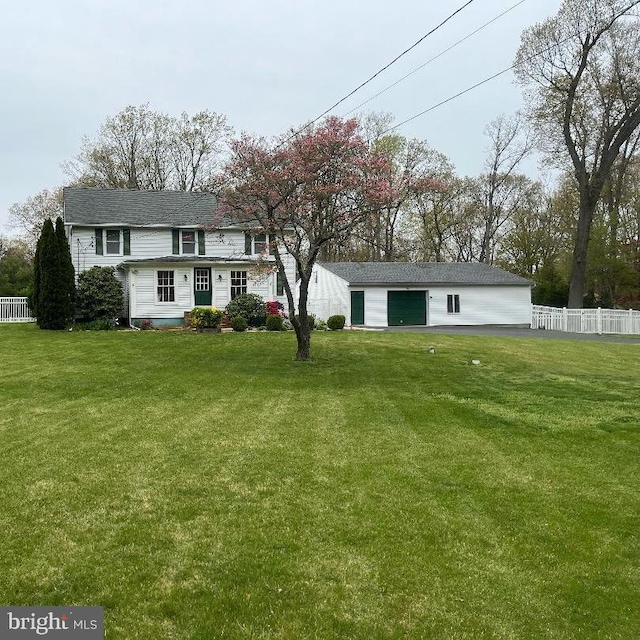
(66, 65)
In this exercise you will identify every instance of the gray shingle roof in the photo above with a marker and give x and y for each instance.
(90, 206)
(423, 273)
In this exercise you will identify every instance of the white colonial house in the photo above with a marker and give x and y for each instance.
(383, 294)
(166, 251)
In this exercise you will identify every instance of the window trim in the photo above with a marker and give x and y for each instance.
(195, 242)
(453, 303)
(170, 286)
(119, 252)
(243, 279)
(177, 242)
(268, 239)
(198, 280)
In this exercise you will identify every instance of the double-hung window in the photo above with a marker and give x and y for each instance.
(166, 286)
(113, 242)
(189, 242)
(260, 243)
(257, 245)
(238, 283)
(453, 303)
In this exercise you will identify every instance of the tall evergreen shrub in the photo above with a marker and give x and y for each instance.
(68, 272)
(53, 287)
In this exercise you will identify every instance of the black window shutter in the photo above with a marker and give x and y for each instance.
(201, 248)
(279, 285)
(247, 243)
(272, 247)
(98, 235)
(126, 242)
(175, 238)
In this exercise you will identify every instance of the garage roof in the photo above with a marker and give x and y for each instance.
(422, 273)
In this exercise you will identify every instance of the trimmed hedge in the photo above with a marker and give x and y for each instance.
(239, 323)
(275, 322)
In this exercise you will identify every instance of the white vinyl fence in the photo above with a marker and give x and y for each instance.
(586, 320)
(14, 310)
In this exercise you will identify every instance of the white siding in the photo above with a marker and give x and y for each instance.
(478, 305)
(147, 243)
(328, 295)
(144, 295)
(481, 305)
(375, 305)
(139, 281)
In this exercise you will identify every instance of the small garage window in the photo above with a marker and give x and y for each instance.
(453, 303)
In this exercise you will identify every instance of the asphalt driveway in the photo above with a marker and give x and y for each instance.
(513, 332)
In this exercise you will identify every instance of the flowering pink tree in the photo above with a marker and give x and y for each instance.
(308, 191)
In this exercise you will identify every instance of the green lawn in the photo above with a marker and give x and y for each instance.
(207, 486)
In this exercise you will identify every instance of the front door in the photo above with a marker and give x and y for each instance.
(202, 286)
(357, 307)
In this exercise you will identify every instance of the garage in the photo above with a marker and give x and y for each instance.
(398, 294)
(406, 308)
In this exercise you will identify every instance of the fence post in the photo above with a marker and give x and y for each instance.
(599, 320)
(564, 319)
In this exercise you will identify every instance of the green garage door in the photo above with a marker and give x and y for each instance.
(406, 308)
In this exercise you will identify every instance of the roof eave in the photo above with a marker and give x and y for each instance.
(439, 284)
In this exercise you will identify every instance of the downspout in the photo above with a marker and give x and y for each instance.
(131, 325)
(127, 271)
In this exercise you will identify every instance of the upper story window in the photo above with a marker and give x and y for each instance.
(188, 242)
(257, 244)
(113, 242)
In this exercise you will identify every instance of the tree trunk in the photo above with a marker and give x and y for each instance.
(579, 268)
(304, 344)
(301, 322)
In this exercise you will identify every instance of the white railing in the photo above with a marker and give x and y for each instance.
(586, 320)
(15, 310)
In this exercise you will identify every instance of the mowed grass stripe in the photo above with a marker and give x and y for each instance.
(203, 486)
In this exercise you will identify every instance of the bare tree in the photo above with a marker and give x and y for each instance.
(29, 215)
(434, 214)
(500, 190)
(581, 71)
(198, 147)
(142, 149)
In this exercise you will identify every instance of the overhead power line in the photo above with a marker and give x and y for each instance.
(377, 73)
(479, 84)
(422, 66)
